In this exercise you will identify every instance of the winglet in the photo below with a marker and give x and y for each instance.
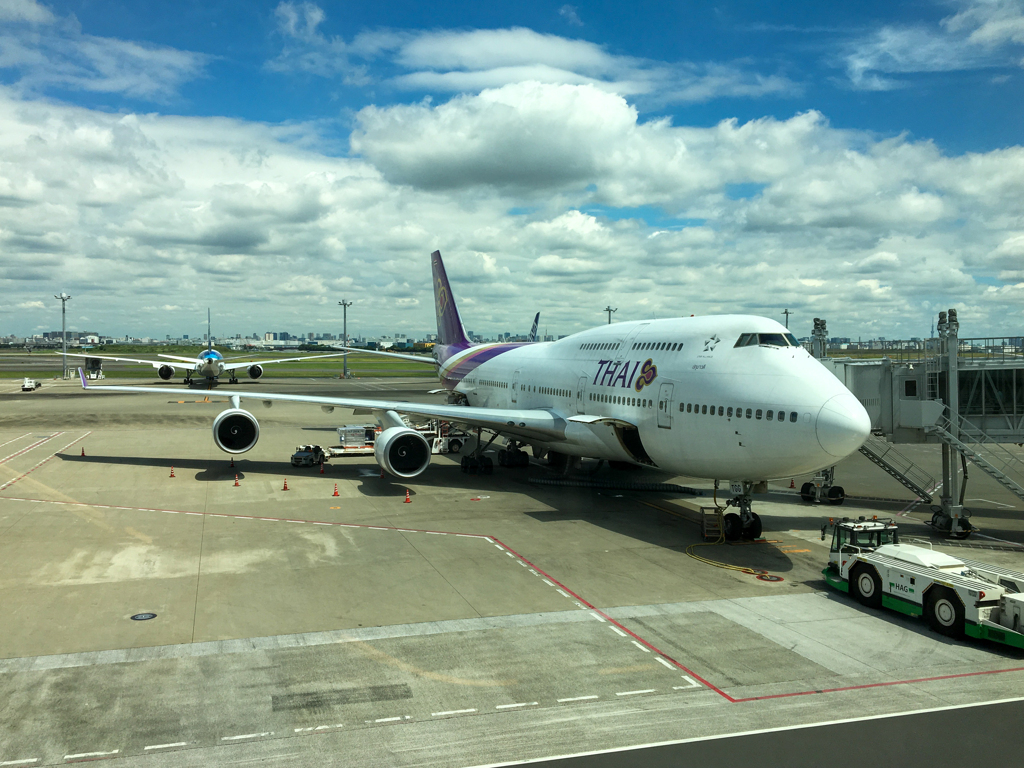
(81, 375)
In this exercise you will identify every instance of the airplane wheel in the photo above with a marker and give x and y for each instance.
(524, 459)
(866, 586)
(807, 492)
(486, 466)
(945, 612)
(753, 531)
(733, 527)
(836, 495)
(502, 458)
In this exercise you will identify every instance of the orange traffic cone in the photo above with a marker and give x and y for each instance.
(792, 483)
(285, 485)
(336, 489)
(321, 467)
(83, 450)
(236, 481)
(407, 499)
(172, 471)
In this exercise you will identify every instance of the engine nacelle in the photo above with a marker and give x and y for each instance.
(401, 451)
(235, 430)
(165, 372)
(255, 371)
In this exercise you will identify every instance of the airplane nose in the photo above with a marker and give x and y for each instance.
(842, 425)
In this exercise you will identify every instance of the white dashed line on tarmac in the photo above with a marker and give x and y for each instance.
(617, 631)
(500, 547)
(520, 704)
(548, 583)
(597, 616)
(167, 746)
(660, 659)
(643, 648)
(247, 736)
(692, 684)
(563, 593)
(636, 693)
(578, 698)
(452, 712)
(84, 755)
(315, 728)
(436, 533)
(27, 761)
(390, 719)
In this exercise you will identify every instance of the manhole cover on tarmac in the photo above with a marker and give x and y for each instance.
(769, 577)
(143, 616)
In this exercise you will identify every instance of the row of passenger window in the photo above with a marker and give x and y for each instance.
(602, 345)
(639, 402)
(721, 410)
(654, 346)
(496, 384)
(768, 339)
(547, 390)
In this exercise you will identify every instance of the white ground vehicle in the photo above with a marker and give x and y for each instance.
(360, 440)
(308, 456)
(957, 597)
(30, 385)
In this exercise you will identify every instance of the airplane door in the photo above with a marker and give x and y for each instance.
(665, 406)
(515, 386)
(581, 395)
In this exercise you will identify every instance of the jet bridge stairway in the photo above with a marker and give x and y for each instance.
(991, 457)
(898, 466)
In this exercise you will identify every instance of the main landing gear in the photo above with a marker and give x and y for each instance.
(512, 455)
(477, 463)
(745, 525)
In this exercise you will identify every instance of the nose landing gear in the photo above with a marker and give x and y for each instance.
(747, 524)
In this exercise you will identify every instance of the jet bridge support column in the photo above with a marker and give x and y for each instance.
(953, 517)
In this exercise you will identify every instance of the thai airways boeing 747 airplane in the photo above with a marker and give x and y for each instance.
(727, 397)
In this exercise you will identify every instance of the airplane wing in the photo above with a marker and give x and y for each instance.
(233, 366)
(396, 355)
(176, 357)
(154, 363)
(535, 423)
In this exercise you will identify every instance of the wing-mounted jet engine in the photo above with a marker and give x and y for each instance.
(235, 430)
(165, 372)
(401, 451)
(255, 371)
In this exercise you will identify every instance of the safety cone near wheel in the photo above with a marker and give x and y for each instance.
(336, 489)
(236, 481)
(83, 450)
(792, 483)
(407, 499)
(321, 467)
(285, 485)
(172, 471)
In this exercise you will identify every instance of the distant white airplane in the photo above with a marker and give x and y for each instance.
(208, 364)
(727, 397)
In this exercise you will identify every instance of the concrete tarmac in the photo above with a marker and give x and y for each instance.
(488, 620)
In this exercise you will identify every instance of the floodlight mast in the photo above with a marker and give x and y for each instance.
(64, 299)
(609, 310)
(344, 308)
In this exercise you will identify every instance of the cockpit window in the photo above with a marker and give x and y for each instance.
(746, 340)
(792, 340)
(772, 339)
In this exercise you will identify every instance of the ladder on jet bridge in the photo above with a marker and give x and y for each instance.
(899, 467)
(991, 457)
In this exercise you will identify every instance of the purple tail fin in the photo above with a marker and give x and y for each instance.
(450, 332)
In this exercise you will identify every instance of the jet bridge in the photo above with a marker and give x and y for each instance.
(965, 394)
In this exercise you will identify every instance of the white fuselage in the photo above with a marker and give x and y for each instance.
(701, 406)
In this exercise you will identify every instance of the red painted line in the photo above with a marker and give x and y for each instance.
(9, 483)
(26, 450)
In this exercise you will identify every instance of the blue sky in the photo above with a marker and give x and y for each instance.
(863, 158)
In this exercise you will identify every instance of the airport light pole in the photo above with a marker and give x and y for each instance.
(609, 310)
(64, 299)
(344, 310)
(787, 313)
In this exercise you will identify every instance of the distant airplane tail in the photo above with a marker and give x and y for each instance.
(533, 330)
(451, 334)
(209, 330)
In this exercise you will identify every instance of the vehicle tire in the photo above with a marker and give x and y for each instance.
(807, 492)
(866, 586)
(454, 445)
(836, 495)
(944, 611)
(732, 527)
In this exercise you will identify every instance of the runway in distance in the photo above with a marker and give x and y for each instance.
(723, 397)
(208, 364)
